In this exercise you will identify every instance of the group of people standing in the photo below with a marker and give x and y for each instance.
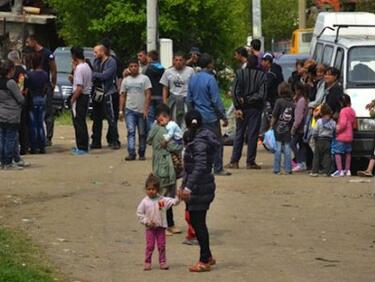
(26, 107)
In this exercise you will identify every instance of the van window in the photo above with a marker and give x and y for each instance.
(318, 52)
(339, 59)
(327, 55)
(361, 66)
(307, 37)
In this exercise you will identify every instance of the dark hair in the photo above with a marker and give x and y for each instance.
(162, 109)
(154, 55)
(153, 181)
(106, 42)
(5, 67)
(346, 100)
(205, 60)
(179, 54)
(36, 60)
(256, 44)
(334, 71)
(284, 90)
(32, 37)
(252, 61)
(242, 52)
(301, 87)
(133, 61)
(300, 62)
(325, 110)
(193, 120)
(142, 51)
(77, 53)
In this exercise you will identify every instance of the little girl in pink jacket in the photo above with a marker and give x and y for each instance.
(344, 138)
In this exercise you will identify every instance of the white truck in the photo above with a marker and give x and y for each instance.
(346, 40)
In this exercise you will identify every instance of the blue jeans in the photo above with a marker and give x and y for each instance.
(282, 147)
(8, 137)
(37, 115)
(134, 121)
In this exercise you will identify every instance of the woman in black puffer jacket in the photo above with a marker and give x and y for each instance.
(199, 183)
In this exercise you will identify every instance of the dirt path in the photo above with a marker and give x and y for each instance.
(263, 227)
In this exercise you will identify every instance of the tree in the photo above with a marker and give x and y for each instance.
(217, 26)
(279, 19)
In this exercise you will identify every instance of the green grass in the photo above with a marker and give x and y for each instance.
(64, 118)
(21, 261)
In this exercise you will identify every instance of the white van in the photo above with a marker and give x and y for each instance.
(347, 42)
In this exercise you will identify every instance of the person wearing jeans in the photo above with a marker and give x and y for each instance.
(37, 132)
(37, 86)
(282, 122)
(282, 148)
(82, 83)
(11, 101)
(136, 122)
(135, 100)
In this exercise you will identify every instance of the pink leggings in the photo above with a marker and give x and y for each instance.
(155, 235)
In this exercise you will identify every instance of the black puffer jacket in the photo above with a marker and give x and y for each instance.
(198, 160)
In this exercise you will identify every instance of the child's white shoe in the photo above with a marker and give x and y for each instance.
(338, 173)
(348, 173)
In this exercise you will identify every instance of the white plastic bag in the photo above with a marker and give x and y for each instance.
(269, 141)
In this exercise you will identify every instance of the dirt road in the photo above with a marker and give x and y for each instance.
(81, 210)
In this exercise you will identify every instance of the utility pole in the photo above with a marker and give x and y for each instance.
(302, 13)
(257, 21)
(152, 25)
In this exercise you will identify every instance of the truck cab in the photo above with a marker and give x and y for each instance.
(347, 42)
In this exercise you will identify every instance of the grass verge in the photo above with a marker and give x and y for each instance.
(64, 118)
(21, 261)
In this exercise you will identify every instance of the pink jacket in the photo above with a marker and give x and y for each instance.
(345, 125)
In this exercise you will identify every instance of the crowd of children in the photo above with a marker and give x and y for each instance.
(313, 118)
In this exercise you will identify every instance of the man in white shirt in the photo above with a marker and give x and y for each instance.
(175, 83)
(82, 83)
(135, 100)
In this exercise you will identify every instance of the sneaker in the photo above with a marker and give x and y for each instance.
(79, 152)
(168, 233)
(314, 174)
(12, 167)
(174, 230)
(164, 266)
(232, 166)
(276, 173)
(253, 166)
(42, 151)
(348, 173)
(299, 168)
(338, 173)
(142, 158)
(49, 143)
(190, 242)
(22, 163)
(223, 173)
(147, 267)
(200, 267)
(130, 158)
(115, 146)
(294, 164)
(364, 173)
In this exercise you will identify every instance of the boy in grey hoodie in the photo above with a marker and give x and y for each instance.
(323, 133)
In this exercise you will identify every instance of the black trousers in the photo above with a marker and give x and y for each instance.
(250, 126)
(116, 107)
(100, 111)
(322, 156)
(198, 221)
(24, 131)
(49, 118)
(79, 122)
(170, 220)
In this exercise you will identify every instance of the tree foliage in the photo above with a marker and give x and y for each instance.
(216, 26)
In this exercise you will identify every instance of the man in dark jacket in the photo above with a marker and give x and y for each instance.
(203, 96)
(104, 79)
(154, 72)
(249, 96)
